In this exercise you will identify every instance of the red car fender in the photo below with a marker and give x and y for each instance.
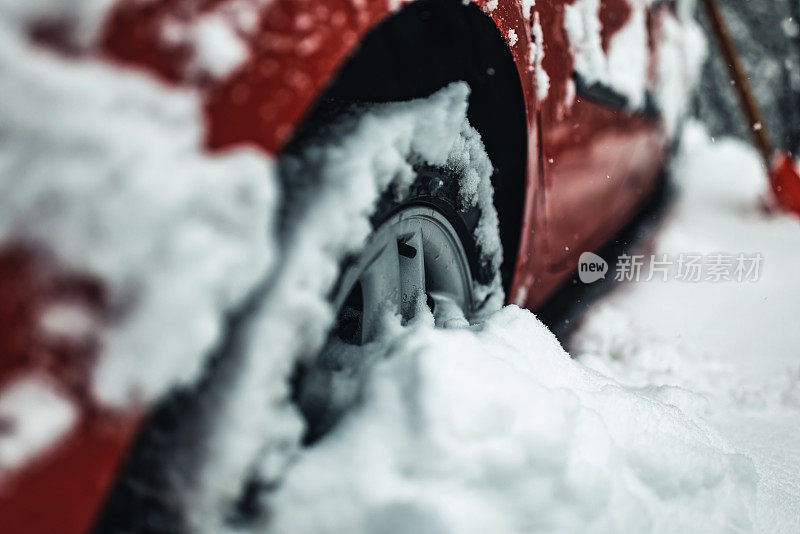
(295, 51)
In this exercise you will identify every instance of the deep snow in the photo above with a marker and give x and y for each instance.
(105, 169)
(498, 430)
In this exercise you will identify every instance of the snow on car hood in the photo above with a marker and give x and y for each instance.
(106, 169)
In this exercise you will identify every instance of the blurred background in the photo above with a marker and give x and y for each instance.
(768, 38)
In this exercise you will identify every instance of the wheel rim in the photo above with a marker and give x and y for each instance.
(415, 254)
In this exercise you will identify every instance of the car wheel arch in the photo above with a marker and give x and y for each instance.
(416, 51)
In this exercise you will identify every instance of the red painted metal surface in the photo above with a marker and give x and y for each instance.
(296, 48)
(597, 164)
(59, 490)
(598, 161)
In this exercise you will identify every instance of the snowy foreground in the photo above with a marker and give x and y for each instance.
(680, 413)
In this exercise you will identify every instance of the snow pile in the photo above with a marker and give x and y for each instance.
(110, 175)
(332, 189)
(106, 169)
(615, 345)
(725, 351)
(498, 430)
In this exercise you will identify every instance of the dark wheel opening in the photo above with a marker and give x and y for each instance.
(422, 48)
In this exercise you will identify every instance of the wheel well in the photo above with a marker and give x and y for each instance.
(422, 48)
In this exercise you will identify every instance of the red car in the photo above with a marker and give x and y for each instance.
(577, 104)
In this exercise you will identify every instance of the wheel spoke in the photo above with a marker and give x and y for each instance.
(447, 313)
(412, 272)
(416, 254)
(380, 284)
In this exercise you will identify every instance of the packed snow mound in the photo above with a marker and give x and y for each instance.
(626, 66)
(499, 430)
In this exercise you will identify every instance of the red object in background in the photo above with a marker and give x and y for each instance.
(785, 181)
(782, 171)
(298, 46)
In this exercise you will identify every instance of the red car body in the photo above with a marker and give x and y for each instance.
(588, 169)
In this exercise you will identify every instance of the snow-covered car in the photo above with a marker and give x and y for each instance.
(499, 139)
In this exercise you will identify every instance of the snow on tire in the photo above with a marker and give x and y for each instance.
(246, 430)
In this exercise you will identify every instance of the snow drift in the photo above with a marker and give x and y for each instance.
(498, 430)
(724, 351)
